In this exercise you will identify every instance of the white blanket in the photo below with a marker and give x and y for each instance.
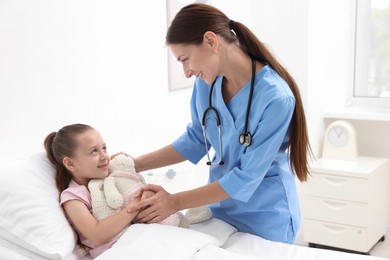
(212, 239)
(158, 242)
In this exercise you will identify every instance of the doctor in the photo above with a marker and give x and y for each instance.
(248, 108)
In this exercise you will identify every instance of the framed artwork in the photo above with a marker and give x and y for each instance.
(176, 78)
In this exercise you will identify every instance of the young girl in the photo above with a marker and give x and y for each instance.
(79, 154)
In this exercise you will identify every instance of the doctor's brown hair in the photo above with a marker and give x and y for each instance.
(189, 26)
(63, 144)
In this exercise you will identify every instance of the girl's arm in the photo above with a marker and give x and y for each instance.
(99, 232)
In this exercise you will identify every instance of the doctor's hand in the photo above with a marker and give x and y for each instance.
(155, 208)
(147, 194)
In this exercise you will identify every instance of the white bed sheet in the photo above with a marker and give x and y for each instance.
(213, 239)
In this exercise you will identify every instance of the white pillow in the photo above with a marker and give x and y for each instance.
(30, 214)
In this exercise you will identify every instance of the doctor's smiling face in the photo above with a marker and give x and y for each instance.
(199, 60)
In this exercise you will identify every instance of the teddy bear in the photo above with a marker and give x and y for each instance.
(109, 195)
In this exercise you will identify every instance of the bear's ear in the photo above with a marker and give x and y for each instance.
(113, 197)
(122, 163)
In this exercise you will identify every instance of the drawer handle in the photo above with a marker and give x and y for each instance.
(335, 205)
(334, 229)
(335, 181)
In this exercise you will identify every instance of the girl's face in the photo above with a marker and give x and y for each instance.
(90, 159)
(198, 60)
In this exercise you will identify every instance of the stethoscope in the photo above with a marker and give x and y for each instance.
(245, 138)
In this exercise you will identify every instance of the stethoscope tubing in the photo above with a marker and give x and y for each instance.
(245, 138)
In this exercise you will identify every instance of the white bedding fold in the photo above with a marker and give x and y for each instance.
(211, 252)
(156, 241)
(215, 228)
(212, 239)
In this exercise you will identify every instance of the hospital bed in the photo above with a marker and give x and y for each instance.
(33, 226)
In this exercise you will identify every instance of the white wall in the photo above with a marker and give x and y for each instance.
(282, 26)
(93, 62)
(102, 63)
(330, 61)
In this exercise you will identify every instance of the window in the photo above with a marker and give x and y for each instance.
(372, 49)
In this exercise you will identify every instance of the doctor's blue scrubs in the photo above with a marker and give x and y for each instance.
(263, 198)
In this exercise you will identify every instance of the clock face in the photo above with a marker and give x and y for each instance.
(338, 136)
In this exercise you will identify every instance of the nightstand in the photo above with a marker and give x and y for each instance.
(346, 203)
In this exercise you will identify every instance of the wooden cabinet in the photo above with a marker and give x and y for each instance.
(346, 203)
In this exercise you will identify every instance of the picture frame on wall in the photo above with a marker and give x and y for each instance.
(176, 77)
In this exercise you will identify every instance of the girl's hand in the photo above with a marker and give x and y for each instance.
(135, 199)
(155, 208)
(145, 194)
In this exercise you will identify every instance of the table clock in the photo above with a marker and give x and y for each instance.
(340, 141)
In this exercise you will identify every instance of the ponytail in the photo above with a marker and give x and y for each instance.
(59, 145)
(299, 145)
(63, 176)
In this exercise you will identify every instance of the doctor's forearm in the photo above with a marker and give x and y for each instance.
(159, 158)
(201, 196)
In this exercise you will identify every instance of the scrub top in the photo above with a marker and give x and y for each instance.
(261, 184)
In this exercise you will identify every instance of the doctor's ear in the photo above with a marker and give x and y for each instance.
(210, 38)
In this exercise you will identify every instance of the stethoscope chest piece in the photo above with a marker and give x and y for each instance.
(245, 139)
